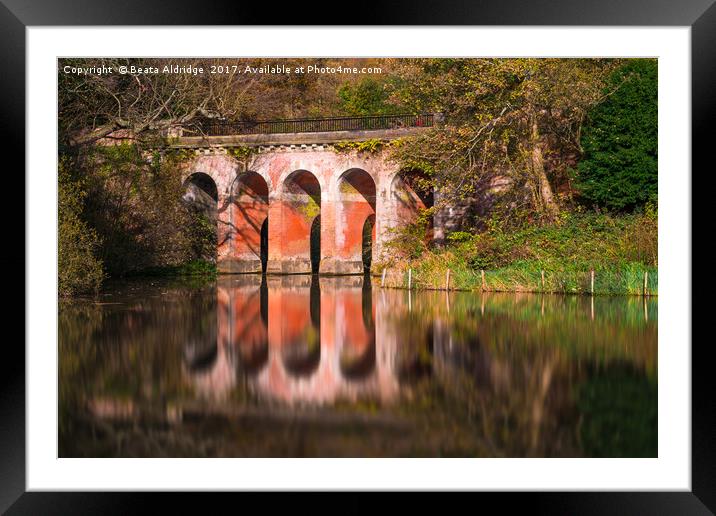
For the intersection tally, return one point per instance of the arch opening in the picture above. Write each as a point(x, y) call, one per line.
point(201, 187)
point(296, 239)
point(356, 221)
point(201, 197)
point(412, 194)
point(250, 214)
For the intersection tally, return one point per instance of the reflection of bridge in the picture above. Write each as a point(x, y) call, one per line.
point(297, 203)
point(297, 343)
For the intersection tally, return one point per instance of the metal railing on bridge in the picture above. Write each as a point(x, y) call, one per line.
point(313, 125)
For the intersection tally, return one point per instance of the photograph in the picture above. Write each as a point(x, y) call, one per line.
point(357, 257)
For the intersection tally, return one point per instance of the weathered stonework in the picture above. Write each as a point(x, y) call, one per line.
point(290, 181)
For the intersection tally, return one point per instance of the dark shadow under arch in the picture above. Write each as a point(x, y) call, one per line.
point(368, 241)
point(205, 183)
point(316, 245)
point(264, 245)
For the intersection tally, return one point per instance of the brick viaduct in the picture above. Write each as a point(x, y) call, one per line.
point(293, 183)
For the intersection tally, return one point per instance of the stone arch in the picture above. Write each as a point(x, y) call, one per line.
point(202, 183)
point(222, 171)
point(201, 195)
point(355, 204)
point(220, 167)
point(250, 209)
point(291, 217)
point(411, 193)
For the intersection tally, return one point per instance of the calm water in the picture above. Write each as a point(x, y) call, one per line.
point(334, 367)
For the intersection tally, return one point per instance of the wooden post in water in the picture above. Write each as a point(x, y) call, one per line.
point(646, 282)
point(410, 278)
point(482, 276)
point(592, 283)
point(382, 279)
point(447, 280)
point(542, 271)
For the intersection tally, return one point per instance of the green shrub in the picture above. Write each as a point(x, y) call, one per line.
point(368, 96)
point(78, 269)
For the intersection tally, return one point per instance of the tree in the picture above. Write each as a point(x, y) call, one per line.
point(94, 106)
point(366, 97)
point(508, 120)
point(78, 270)
point(619, 170)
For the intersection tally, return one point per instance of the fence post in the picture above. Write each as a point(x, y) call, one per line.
point(646, 282)
point(482, 276)
point(592, 283)
point(410, 278)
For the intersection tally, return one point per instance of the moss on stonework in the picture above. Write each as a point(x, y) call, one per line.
point(240, 151)
point(180, 155)
point(310, 208)
point(370, 146)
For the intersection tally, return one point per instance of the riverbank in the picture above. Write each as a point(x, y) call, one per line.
point(582, 254)
point(446, 272)
point(192, 268)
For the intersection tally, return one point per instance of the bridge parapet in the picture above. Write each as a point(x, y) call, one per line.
point(273, 141)
point(303, 131)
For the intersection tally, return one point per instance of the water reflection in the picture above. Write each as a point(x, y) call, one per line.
point(357, 370)
point(298, 340)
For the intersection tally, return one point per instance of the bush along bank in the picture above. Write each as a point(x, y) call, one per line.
point(583, 254)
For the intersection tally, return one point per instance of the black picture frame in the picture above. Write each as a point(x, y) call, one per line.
point(16, 15)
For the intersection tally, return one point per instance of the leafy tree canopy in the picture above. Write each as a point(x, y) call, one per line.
point(619, 166)
point(367, 97)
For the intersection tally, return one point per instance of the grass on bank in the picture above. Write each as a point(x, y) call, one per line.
point(619, 249)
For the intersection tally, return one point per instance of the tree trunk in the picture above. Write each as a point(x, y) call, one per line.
point(545, 189)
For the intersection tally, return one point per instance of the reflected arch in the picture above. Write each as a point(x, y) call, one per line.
point(358, 350)
point(250, 335)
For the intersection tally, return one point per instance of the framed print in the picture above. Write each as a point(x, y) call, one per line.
point(415, 258)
